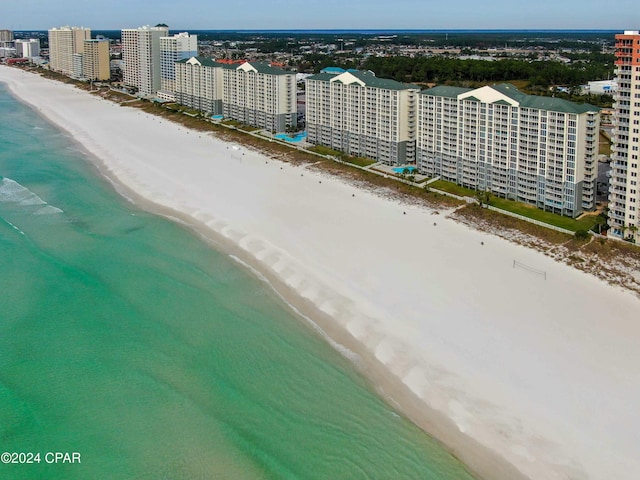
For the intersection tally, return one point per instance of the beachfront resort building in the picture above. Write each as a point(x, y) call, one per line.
point(27, 48)
point(624, 191)
point(198, 84)
point(538, 150)
point(260, 95)
point(6, 36)
point(95, 60)
point(362, 115)
point(141, 56)
point(172, 49)
point(64, 43)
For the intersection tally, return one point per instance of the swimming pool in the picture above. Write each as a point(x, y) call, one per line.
point(404, 169)
point(297, 138)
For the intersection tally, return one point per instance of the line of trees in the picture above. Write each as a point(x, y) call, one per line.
point(541, 74)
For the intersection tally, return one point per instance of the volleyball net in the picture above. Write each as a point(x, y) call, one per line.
point(523, 266)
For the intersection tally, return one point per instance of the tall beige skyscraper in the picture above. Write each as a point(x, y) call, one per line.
point(141, 55)
point(6, 36)
point(64, 42)
point(624, 191)
point(95, 60)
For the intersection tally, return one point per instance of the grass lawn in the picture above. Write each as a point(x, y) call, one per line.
point(524, 209)
point(535, 213)
point(360, 161)
point(322, 150)
point(450, 187)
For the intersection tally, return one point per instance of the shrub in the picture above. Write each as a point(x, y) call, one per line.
point(582, 234)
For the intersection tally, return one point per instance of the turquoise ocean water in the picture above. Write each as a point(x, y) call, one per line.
point(127, 339)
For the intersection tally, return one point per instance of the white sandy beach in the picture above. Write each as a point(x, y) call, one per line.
point(543, 373)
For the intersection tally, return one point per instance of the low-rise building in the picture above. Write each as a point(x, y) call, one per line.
point(7, 52)
point(602, 87)
point(357, 113)
point(538, 150)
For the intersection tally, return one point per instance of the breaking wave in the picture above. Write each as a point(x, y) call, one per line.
point(12, 192)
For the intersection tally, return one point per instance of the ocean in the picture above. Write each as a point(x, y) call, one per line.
point(128, 341)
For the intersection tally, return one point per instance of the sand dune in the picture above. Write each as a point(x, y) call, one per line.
point(543, 374)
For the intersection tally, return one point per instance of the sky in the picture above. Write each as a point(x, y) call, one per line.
point(323, 14)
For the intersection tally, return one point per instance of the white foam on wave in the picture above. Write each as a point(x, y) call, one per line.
point(47, 210)
point(12, 192)
point(15, 228)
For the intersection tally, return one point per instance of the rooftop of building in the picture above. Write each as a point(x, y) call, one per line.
point(67, 27)
point(260, 67)
point(367, 77)
point(204, 61)
point(445, 91)
point(538, 102)
point(160, 26)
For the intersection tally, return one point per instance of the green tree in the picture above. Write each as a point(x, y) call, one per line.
point(483, 197)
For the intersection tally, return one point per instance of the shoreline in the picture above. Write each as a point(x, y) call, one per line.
point(361, 328)
point(483, 463)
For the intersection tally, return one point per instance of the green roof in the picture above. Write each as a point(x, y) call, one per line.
point(260, 67)
point(526, 101)
point(543, 103)
point(322, 77)
point(205, 61)
point(368, 78)
point(444, 91)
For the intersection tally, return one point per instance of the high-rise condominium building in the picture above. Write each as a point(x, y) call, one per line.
point(6, 36)
point(141, 55)
point(538, 150)
point(29, 48)
point(95, 60)
point(362, 115)
point(180, 46)
point(64, 42)
point(624, 190)
point(199, 84)
point(260, 95)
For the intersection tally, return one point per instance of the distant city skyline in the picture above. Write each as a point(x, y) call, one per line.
point(329, 14)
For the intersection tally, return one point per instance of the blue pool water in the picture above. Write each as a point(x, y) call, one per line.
point(297, 138)
point(404, 169)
